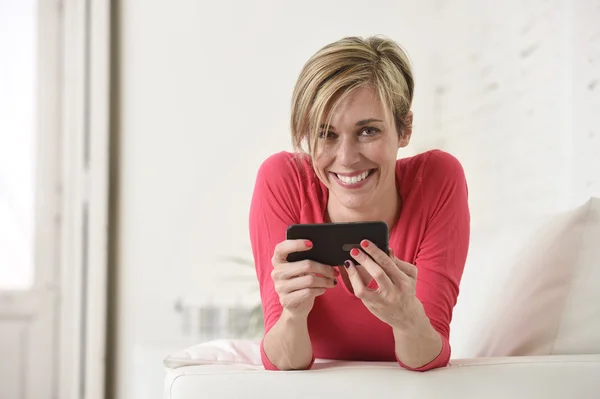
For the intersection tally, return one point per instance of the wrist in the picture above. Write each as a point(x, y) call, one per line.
point(417, 324)
point(294, 319)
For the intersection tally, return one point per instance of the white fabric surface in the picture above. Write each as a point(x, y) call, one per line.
point(222, 352)
point(488, 267)
point(546, 377)
point(548, 301)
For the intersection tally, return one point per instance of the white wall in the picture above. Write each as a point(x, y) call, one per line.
point(205, 94)
point(585, 52)
point(517, 99)
point(511, 90)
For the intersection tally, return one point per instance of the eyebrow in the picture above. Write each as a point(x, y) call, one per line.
point(358, 124)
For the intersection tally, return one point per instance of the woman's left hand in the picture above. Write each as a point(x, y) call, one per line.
point(394, 301)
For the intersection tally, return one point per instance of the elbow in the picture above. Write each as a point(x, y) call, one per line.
point(437, 363)
point(270, 366)
point(441, 360)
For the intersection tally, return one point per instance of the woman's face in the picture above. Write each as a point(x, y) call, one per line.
point(356, 158)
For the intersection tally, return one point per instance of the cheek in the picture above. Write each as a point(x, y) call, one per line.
point(384, 155)
point(320, 163)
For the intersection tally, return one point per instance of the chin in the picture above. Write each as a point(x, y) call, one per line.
point(354, 202)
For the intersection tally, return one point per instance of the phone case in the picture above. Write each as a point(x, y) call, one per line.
point(332, 242)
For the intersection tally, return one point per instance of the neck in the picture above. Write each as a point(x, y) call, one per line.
point(386, 209)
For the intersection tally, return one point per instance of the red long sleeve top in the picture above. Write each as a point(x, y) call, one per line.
point(432, 233)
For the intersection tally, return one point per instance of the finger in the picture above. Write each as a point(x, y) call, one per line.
point(303, 267)
point(303, 282)
point(382, 259)
point(408, 269)
point(375, 270)
point(286, 247)
point(360, 290)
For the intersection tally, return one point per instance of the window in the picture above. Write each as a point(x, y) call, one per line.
point(18, 89)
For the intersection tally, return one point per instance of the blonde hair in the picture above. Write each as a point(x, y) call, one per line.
point(341, 67)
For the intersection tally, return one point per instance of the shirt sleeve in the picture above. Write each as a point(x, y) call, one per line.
point(441, 257)
point(275, 205)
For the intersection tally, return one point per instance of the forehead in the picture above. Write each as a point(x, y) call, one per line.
point(362, 103)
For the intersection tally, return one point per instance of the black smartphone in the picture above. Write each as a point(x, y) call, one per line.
point(332, 242)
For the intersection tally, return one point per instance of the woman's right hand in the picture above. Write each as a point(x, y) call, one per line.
point(299, 283)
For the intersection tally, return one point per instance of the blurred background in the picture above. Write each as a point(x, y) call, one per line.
point(131, 132)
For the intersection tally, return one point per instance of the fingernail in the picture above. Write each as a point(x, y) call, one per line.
point(334, 282)
point(364, 244)
point(308, 244)
point(347, 264)
point(354, 252)
point(336, 272)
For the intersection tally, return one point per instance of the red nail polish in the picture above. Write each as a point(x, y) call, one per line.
point(336, 272)
point(354, 252)
point(308, 244)
point(364, 244)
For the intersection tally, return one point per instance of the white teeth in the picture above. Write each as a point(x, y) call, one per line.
point(353, 179)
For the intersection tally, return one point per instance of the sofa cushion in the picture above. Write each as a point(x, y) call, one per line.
point(549, 300)
point(547, 377)
point(490, 251)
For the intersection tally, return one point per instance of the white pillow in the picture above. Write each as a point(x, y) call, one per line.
point(490, 251)
point(550, 301)
point(226, 352)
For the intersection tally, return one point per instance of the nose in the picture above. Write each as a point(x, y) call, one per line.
point(348, 152)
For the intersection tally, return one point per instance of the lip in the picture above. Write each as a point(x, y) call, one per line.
point(355, 185)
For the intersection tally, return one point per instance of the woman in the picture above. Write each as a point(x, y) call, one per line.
point(352, 108)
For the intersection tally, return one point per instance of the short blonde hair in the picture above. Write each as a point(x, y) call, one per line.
point(341, 67)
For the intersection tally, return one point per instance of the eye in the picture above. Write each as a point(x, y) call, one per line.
point(369, 131)
point(327, 135)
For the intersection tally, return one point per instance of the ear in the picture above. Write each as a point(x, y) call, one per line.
point(405, 139)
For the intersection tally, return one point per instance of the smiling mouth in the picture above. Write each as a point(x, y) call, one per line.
point(356, 178)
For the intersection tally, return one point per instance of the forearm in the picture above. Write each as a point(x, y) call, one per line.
point(418, 343)
point(287, 344)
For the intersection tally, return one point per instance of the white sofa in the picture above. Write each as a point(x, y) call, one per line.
point(528, 377)
point(527, 325)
